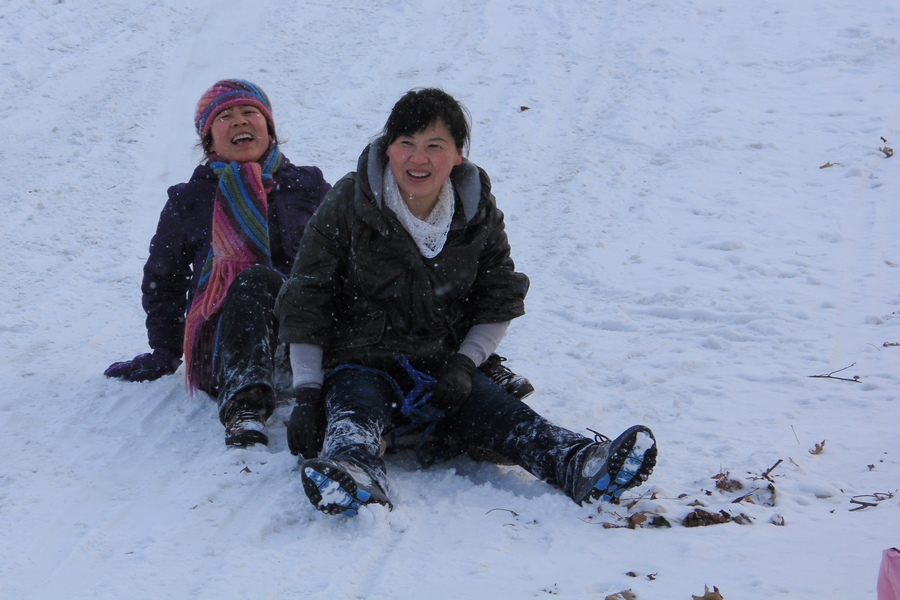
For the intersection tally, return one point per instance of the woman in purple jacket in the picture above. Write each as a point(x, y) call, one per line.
point(226, 239)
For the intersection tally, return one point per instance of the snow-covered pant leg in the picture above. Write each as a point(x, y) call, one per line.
point(493, 419)
point(247, 339)
point(358, 403)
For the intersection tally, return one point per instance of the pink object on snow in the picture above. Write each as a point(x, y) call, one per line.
point(889, 575)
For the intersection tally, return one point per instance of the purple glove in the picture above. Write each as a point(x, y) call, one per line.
point(145, 367)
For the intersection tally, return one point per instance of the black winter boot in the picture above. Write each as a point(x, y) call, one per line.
point(332, 489)
point(605, 469)
point(244, 417)
point(500, 374)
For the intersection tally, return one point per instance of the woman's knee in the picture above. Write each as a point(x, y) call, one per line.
point(360, 390)
point(258, 277)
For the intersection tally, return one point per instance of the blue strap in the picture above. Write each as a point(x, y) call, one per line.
point(417, 398)
point(415, 406)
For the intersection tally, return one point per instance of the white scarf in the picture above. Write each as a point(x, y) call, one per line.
point(429, 235)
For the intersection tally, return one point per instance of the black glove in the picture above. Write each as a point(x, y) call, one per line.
point(454, 384)
point(145, 367)
point(306, 429)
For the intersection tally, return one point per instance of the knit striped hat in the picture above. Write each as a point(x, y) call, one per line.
point(227, 93)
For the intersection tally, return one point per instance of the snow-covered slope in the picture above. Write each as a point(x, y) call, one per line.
point(697, 191)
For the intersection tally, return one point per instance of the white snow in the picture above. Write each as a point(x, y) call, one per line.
point(696, 189)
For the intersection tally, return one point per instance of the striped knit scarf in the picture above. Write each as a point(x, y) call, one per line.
point(240, 239)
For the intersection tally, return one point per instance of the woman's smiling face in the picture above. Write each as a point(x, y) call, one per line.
point(422, 162)
point(240, 134)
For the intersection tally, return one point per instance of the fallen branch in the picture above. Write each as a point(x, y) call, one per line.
point(861, 504)
point(772, 468)
point(831, 375)
point(870, 500)
point(513, 513)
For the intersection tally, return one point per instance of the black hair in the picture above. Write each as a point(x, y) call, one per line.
point(422, 107)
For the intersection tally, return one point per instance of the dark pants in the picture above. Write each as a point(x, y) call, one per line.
point(248, 353)
point(362, 405)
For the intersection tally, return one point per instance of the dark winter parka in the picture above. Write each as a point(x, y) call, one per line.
point(361, 289)
point(181, 243)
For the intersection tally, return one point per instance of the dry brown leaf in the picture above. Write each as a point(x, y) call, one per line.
point(819, 448)
point(743, 519)
point(888, 152)
point(764, 496)
point(777, 520)
point(764, 499)
point(701, 518)
point(725, 483)
point(827, 165)
point(636, 520)
point(709, 595)
point(623, 595)
point(659, 522)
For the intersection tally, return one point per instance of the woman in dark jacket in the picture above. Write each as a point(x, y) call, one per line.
point(402, 286)
point(224, 244)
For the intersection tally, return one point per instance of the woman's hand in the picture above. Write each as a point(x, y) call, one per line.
point(454, 384)
point(145, 367)
point(306, 429)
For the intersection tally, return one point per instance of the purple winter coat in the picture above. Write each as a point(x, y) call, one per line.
point(181, 243)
